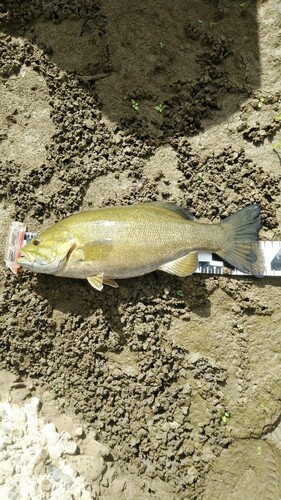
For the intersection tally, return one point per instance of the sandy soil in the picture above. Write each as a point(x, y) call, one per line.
point(118, 102)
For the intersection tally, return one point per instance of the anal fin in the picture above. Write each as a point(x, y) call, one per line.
point(184, 266)
point(110, 282)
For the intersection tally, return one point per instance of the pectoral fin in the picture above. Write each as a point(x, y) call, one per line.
point(184, 266)
point(96, 281)
point(95, 250)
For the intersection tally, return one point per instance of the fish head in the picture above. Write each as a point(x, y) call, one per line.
point(47, 253)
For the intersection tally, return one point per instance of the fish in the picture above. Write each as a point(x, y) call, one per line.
point(107, 244)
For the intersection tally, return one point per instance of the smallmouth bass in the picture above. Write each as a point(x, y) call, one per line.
point(120, 242)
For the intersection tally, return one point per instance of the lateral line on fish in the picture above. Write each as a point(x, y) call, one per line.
point(208, 263)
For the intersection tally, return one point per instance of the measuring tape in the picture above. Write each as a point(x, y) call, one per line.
point(208, 263)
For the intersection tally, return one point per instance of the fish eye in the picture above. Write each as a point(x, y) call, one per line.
point(35, 242)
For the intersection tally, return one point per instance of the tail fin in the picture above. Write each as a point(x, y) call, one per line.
point(242, 248)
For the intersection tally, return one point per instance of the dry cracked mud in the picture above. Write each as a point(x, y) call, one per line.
point(176, 380)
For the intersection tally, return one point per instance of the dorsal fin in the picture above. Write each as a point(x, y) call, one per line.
point(172, 207)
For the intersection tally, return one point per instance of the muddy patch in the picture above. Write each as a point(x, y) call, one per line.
point(104, 104)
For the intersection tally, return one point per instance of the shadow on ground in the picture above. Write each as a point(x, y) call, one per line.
point(158, 68)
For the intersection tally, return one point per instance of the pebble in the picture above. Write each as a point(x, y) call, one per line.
point(62, 496)
point(92, 467)
point(95, 491)
point(78, 432)
point(89, 123)
point(6, 469)
point(117, 487)
point(59, 476)
point(48, 396)
point(19, 395)
point(46, 485)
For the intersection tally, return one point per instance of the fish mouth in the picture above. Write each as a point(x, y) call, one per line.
point(41, 266)
point(24, 261)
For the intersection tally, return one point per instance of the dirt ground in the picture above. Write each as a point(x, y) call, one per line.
point(105, 103)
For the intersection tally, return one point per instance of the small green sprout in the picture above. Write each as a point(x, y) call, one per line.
point(242, 5)
point(212, 24)
point(160, 107)
point(258, 450)
point(180, 293)
point(180, 348)
point(276, 145)
point(228, 53)
point(161, 45)
point(225, 416)
point(135, 104)
point(239, 327)
point(277, 118)
point(261, 102)
point(264, 409)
